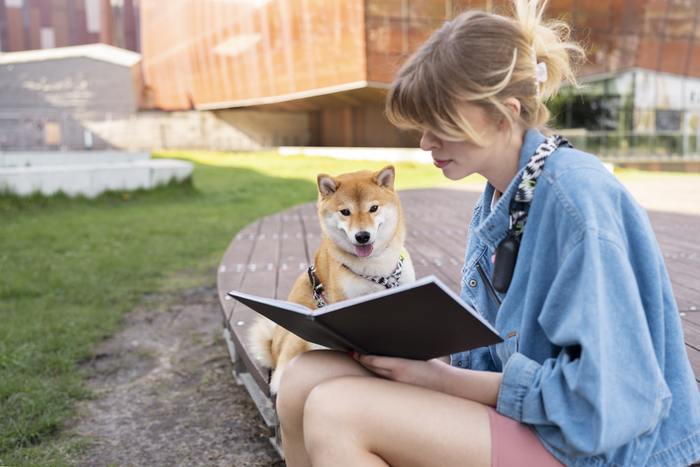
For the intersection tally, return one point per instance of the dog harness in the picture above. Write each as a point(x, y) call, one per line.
point(317, 287)
point(386, 281)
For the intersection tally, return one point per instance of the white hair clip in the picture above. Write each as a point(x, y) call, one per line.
point(540, 75)
point(541, 72)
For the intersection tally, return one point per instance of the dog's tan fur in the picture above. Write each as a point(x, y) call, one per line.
point(357, 193)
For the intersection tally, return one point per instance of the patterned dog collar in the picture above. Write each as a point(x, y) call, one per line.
point(386, 281)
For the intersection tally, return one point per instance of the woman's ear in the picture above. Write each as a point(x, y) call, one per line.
point(513, 107)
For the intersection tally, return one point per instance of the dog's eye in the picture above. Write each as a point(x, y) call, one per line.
point(345, 212)
point(374, 208)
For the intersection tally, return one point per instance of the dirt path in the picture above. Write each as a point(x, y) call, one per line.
point(166, 396)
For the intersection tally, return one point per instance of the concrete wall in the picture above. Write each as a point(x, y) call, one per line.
point(79, 85)
point(358, 126)
point(222, 130)
point(361, 154)
point(43, 103)
point(50, 105)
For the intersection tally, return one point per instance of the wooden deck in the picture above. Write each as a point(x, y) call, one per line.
point(266, 257)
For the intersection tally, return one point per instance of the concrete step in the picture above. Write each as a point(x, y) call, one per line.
point(91, 179)
point(40, 158)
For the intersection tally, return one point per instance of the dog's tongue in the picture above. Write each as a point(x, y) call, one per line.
point(363, 250)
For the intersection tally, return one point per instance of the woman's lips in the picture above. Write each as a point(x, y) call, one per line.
point(440, 164)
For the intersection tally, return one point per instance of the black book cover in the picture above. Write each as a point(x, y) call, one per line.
point(420, 321)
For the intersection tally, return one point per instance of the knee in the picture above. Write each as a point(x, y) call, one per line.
point(289, 394)
point(328, 411)
point(297, 381)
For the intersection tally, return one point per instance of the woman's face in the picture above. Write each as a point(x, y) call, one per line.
point(459, 159)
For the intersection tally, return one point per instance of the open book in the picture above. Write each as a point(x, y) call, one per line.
point(420, 321)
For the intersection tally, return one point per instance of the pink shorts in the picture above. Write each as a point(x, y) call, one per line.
point(516, 445)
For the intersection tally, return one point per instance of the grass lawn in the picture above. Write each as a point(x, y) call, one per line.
point(70, 268)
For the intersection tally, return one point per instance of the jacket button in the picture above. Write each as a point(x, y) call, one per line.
point(472, 283)
point(459, 363)
point(491, 227)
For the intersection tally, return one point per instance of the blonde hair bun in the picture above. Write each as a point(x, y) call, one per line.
point(484, 59)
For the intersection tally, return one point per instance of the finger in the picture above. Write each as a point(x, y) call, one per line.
point(381, 362)
point(368, 361)
point(379, 371)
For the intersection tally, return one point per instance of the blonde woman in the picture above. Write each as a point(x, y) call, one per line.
point(593, 370)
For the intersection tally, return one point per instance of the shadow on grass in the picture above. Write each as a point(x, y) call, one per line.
point(72, 266)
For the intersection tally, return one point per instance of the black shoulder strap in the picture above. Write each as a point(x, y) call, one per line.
point(507, 251)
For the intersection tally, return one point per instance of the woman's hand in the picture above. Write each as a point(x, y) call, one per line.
point(427, 374)
point(479, 386)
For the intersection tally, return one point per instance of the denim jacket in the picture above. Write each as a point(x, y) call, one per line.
point(593, 357)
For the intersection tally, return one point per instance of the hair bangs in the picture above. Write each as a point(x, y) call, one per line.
point(418, 100)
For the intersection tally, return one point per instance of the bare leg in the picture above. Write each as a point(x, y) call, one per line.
point(299, 377)
point(350, 421)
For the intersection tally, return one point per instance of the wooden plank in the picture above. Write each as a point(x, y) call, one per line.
point(660, 218)
point(293, 253)
point(455, 199)
point(233, 266)
point(694, 357)
point(311, 228)
point(691, 318)
point(434, 261)
point(238, 324)
point(676, 233)
point(678, 249)
point(309, 216)
point(677, 225)
point(260, 279)
point(683, 237)
point(451, 241)
point(684, 268)
point(267, 256)
point(691, 334)
point(685, 306)
point(682, 287)
point(437, 228)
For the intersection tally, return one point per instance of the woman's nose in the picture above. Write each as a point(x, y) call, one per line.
point(429, 141)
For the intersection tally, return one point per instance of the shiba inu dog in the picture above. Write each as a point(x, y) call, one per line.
point(361, 252)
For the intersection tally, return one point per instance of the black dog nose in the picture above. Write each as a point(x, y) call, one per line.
point(362, 237)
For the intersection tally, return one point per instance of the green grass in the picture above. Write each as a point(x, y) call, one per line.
point(71, 267)
point(408, 174)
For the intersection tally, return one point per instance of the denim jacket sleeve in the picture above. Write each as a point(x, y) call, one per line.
point(605, 387)
point(477, 359)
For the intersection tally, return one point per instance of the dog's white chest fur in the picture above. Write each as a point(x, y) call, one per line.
point(355, 286)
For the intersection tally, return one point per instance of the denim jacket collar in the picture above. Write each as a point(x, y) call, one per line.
point(495, 226)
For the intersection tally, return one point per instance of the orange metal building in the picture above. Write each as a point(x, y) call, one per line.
point(46, 24)
point(335, 58)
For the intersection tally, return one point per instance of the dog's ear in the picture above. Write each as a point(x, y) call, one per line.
point(385, 177)
point(327, 185)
